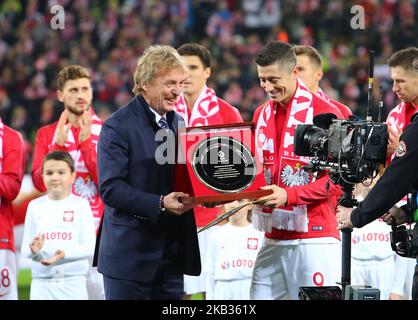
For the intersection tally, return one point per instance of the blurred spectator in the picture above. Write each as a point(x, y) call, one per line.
point(234, 94)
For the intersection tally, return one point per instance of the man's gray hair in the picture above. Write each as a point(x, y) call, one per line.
point(155, 60)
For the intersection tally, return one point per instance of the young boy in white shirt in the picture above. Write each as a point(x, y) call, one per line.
point(232, 250)
point(59, 234)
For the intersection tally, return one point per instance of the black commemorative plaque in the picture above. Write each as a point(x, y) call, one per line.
point(224, 164)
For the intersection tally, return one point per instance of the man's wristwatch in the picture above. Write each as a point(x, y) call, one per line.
point(162, 208)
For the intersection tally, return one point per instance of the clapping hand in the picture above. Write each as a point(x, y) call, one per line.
point(61, 134)
point(59, 255)
point(85, 122)
point(37, 243)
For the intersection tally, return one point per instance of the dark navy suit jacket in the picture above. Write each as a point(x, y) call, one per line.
point(135, 237)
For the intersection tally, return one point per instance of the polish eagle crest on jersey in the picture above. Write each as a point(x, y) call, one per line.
point(86, 189)
point(68, 216)
point(252, 243)
point(294, 176)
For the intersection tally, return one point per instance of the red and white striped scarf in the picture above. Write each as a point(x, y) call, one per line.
point(84, 186)
point(284, 168)
point(1, 148)
point(204, 112)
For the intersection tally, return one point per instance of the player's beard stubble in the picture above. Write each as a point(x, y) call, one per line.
point(76, 111)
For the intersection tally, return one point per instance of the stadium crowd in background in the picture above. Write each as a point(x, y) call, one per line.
point(107, 36)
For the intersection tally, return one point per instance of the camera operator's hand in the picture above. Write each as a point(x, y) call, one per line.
point(275, 199)
point(343, 218)
point(395, 214)
point(394, 135)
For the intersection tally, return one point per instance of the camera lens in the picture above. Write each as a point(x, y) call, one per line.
point(311, 141)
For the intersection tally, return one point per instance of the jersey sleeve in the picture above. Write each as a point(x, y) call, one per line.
point(13, 165)
point(320, 189)
point(322, 106)
point(345, 110)
point(41, 149)
point(229, 112)
point(29, 234)
point(234, 116)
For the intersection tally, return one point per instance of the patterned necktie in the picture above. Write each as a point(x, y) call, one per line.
point(163, 123)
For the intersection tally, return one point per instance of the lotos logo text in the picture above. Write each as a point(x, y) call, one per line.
point(237, 263)
point(58, 235)
point(371, 236)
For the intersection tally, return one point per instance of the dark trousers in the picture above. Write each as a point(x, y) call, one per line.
point(167, 285)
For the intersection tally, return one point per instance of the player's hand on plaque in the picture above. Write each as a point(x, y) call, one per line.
point(277, 198)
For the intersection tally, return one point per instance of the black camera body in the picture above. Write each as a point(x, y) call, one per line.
point(351, 150)
point(404, 239)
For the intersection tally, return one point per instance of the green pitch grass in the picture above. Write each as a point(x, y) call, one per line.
point(23, 284)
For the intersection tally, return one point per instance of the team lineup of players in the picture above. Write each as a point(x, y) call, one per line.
point(264, 251)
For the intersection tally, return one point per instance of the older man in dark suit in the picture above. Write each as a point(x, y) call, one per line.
point(148, 238)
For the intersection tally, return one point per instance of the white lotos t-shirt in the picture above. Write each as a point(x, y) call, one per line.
point(232, 251)
point(68, 225)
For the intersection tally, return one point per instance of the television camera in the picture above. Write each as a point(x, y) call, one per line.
point(351, 151)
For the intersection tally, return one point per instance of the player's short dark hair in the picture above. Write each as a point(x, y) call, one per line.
point(59, 156)
point(405, 58)
point(310, 52)
point(276, 52)
point(72, 72)
point(195, 49)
